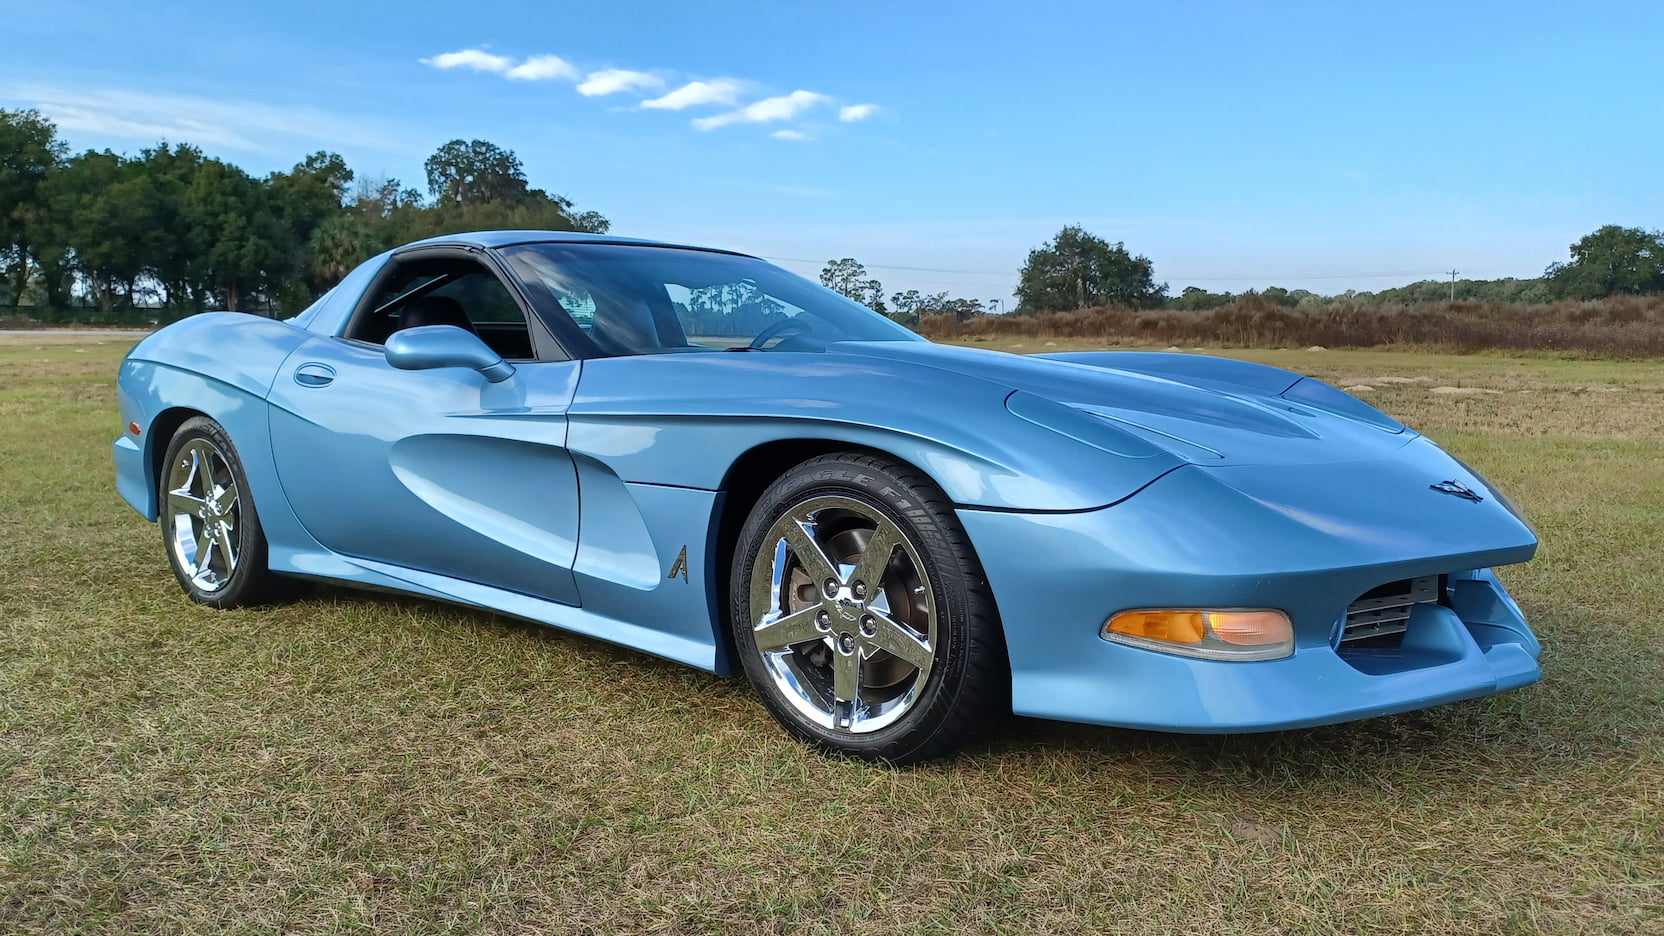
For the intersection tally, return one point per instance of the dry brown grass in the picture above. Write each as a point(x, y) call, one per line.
point(354, 763)
point(1622, 325)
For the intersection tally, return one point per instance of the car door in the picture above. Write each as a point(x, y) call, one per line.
point(437, 470)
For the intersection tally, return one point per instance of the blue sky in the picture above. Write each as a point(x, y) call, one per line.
point(1318, 145)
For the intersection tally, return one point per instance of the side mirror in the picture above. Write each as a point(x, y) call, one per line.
point(445, 346)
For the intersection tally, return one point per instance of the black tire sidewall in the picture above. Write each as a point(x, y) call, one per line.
point(250, 582)
point(956, 590)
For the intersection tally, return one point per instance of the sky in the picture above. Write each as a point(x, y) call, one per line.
point(1325, 146)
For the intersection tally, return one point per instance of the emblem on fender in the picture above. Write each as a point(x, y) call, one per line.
point(1456, 488)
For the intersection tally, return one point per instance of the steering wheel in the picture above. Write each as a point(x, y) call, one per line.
point(778, 329)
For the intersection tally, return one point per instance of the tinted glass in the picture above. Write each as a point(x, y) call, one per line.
point(478, 301)
point(642, 300)
point(485, 299)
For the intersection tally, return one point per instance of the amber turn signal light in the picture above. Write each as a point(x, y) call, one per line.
point(1215, 635)
point(1174, 626)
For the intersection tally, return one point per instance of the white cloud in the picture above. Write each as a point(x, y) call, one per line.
point(476, 59)
point(784, 107)
point(543, 68)
point(228, 124)
point(796, 136)
point(695, 93)
point(614, 80)
point(607, 81)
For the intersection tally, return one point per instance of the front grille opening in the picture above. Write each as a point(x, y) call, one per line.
point(1378, 619)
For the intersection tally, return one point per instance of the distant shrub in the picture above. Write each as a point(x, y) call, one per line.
point(1618, 325)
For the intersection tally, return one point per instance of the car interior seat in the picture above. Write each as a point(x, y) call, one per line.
point(434, 310)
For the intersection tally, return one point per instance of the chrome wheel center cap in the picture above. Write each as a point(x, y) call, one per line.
point(847, 605)
point(843, 615)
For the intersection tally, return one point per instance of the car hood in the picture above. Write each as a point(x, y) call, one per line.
point(1206, 410)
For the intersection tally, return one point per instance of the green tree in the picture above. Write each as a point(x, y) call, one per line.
point(1507, 289)
point(99, 205)
point(302, 200)
point(1609, 261)
point(199, 230)
point(849, 279)
point(29, 151)
point(230, 225)
point(477, 185)
point(1197, 299)
point(381, 215)
point(1076, 270)
point(907, 307)
point(177, 269)
point(910, 306)
point(961, 309)
point(474, 171)
point(536, 210)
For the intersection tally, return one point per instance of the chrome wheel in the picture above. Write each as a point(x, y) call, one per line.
point(845, 615)
point(202, 512)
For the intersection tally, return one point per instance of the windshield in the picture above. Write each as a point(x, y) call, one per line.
point(643, 300)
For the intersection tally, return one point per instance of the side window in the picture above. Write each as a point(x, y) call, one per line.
point(460, 293)
point(485, 299)
point(726, 315)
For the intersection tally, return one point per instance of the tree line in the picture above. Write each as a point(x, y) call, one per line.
point(849, 277)
point(1079, 270)
point(1074, 270)
point(175, 228)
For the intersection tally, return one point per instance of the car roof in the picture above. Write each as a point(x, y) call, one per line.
point(494, 239)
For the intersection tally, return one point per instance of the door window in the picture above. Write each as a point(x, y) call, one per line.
point(446, 292)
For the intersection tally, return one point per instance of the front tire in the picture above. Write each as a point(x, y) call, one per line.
point(210, 530)
point(861, 615)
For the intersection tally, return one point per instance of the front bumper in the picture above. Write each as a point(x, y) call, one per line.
point(1287, 538)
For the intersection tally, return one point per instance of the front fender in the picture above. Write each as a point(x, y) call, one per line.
point(683, 420)
point(219, 364)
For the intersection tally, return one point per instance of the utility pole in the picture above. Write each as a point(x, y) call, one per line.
point(1453, 284)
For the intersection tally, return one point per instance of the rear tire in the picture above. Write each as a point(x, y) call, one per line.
point(210, 530)
point(861, 615)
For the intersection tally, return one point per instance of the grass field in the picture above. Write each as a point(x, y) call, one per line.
point(361, 763)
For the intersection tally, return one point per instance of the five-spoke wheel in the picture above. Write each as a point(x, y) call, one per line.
point(209, 525)
point(201, 514)
point(844, 614)
point(860, 613)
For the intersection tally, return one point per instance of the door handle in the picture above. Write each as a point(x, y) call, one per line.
point(314, 375)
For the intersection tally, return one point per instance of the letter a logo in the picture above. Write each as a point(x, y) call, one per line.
point(681, 565)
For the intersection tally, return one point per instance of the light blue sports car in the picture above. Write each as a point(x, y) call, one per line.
point(699, 455)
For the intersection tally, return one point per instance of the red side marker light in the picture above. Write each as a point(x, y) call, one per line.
point(133, 427)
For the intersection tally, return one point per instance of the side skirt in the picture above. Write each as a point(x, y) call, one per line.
point(380, 576)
